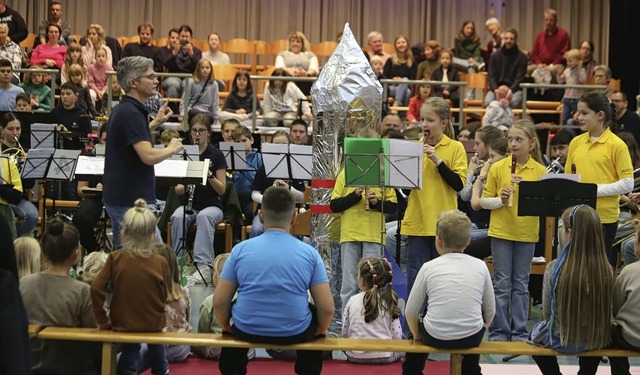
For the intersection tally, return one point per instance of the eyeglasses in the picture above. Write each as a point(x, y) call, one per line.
point(151, 76)
point(198, 131)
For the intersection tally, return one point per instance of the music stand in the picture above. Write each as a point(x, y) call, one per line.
point(549, 198)
point(235, 156)
point(288, 162)
point(383, 163)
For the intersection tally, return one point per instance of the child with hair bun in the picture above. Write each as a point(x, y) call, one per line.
point(52, 298)
point(138, 280)
point(461, 304)
point(373, 313)
point(27, 256)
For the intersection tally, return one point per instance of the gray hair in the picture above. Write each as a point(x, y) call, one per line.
point(132, 67)
point(605, 69)
point(492, 21)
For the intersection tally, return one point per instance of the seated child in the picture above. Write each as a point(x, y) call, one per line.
point(23, 102)
point(461, 304)
point(34, 84)
point(92, 265)
point(77, 77)
point(499, 112)
point(422, 93)
point(52, 298)
point(115, 95)
point(27, 256)
point(97, 76)
point(373, 313)
point(243, 180)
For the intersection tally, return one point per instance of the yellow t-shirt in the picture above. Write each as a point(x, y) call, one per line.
point(436, 195)
point(357, 224)
point(505, 222)
point(9, 173)
point(604, 161)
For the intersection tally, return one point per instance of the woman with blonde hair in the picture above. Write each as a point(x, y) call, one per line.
point(96, 39)
point(298, 60)
point(27, 255)
point(400, 67)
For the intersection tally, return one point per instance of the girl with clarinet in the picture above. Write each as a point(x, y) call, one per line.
point(513, 237)
point(600, 157)
point(444, 173)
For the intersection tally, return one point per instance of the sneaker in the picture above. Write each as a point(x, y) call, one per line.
point(205, 270)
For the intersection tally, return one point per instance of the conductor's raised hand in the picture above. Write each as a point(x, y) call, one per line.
point(164, 113)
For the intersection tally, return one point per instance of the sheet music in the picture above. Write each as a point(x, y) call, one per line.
point(564, 176)
point(90, 165)
point(236, 160)
point(274, 158)
point(100, 149)
point(171, 168)
point(301, 161)
point(36, 163)
point(63, 164)
point(42, 135)
point(404, 164)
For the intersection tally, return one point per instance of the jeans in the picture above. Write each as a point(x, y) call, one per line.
point(511, 270)
point(116, 213)
point(206, 219)
point(401, 93)
point(271, 118)
point(569, 107)
point(414, 362)
point(257, 228)
point(130, 357)
point(28, 214)
point(234, 360)
point(173, 86)
point(392, 242)
point(516, 101)
point(350, 255)
point(421, 250)
point(628, 251)
point(464, 65)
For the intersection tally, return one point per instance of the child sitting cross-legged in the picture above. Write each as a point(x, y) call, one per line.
point(373, 313)
point(461, 304)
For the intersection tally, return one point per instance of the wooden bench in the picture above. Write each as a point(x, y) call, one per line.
point(108, 338)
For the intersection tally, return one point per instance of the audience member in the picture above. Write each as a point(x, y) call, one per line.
point(374, 312)
point(281, 101)
point(460, 304)
point(92, 265)
point(551, 43)
point(375, 42)
point(446, 72)
point(97, 77)
point(78, 79)
point(391, 122)
point(8, 91)
point(575, 288)
point(10, 51)
point(588, 62)
point(214, 54)
point(96, 39)
point(73, 56)
point(507, 66)
point(17, 27)
point(378, 66)
point(499, 112)
point(23, 103)
point(400, 67)
point(144, 47)
point(573, 74)
point(206, 205)
point(28, 256)
point(423, 92)
point(513, 237)
point(495, 42)
point(239, 103)
point(53, 299)
point(203, 93)
point(183, 59)
point(431, 61)
point(50, 53)
point(467, 54)
point(248, 270)
point(625, 120)
point(35, 86)
point(602, 75)
point(55, 18)
point(135, 265)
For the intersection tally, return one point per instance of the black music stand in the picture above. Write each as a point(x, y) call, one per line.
point(288, 162)
point(549, 198)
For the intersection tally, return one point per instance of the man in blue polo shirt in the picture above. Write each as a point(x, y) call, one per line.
point(129, 155)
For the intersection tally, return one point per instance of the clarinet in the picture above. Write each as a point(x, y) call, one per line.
point(190, 190)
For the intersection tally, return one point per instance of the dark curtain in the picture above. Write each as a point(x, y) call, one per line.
point(624, 57)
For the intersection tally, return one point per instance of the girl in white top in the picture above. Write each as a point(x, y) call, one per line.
point(281, 100)
point(214, 54)
point(374, 312)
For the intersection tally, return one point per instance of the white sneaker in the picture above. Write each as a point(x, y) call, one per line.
point(205, 270)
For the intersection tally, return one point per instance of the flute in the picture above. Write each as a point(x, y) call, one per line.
point(366, 200)
point(514, 160)
point(427, 133)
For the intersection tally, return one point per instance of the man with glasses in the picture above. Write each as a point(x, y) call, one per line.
point(8, 91)
point(625, 120)
point(128, 170)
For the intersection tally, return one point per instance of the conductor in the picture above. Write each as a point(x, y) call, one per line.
point(129, 157)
